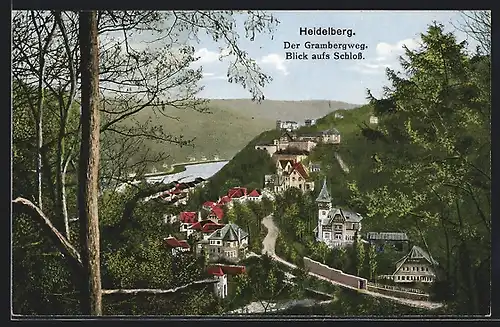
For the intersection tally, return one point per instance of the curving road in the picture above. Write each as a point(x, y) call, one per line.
point(269, 246)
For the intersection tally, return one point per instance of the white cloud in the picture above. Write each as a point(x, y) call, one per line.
point(208, 74)
point(275, 60)
point(386, 57)
point(386, 51)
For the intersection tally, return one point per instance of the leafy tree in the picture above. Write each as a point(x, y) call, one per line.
point(358, 255)
point(437, 118)
point(371, 263)
point(150, 72)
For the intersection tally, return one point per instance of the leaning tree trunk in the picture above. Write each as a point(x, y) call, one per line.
point(91, 296)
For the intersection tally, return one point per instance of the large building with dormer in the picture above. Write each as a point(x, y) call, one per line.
point(336, 227)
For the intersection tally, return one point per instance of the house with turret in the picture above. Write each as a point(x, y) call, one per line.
point(336, 227)
point(229, 242)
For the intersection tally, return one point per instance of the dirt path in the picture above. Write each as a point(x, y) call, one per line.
point(269, 242)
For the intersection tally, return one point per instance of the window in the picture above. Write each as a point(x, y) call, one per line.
point(413, 268)
point(300, 179)
point(293, 179)
point(218, 250)
point(327, 235)
point(426, 268)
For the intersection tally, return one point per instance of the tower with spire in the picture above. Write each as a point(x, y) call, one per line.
point(324, 202)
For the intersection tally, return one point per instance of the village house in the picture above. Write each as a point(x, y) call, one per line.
point(202, 230)
point(373, 120)
point(294, 155)
point(416, 266)
point(186, 219)
point(336, 227)
point(221, 272)
point(254, 196)
point(230, 243)
point(176, 246)
point(314, 167)
point(338, 115)
point(398, 241)
point(216, 214)
point(289, 174)
point(287, 125)
point(310, 122)
point(331, 136)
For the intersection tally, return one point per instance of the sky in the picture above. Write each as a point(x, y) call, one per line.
point(383, 32)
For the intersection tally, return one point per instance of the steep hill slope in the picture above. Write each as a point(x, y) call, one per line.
point(230, 125)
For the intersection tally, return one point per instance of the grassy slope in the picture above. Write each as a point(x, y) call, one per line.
point(231, 125)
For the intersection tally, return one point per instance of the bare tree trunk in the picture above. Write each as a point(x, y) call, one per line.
point(91, 297)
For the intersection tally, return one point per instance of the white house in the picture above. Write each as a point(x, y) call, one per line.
point(331, 136)
point(287, 125)
point(336, 227)
point(310, 122)
point(373, 120)
point(220, 272)
point(416, 266)
point(230, 242)
point(188, 218)
point(338, 115)
point(177, 246)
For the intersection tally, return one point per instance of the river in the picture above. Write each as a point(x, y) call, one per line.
point(203, 170)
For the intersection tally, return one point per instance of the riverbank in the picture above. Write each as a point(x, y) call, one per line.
point(180, 167)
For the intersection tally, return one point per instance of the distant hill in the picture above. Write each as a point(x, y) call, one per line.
point(231, 125)
point(284, 110)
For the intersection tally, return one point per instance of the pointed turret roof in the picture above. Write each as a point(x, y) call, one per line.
point(323, 194)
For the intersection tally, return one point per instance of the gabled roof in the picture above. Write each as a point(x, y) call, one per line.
point(237, 192)
point(211, 227)
point(299, 167)
point(388, 236)
point(351, 216)
point(225, 199)
point(188, 217)
point(324, 196)
point(254, 193)
point(175, 243)
point(416, 253)
point(201, 224)
point(228, 233)
point(284, 163)
point(209, 204)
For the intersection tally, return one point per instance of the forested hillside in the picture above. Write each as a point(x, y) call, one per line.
point(423, 170)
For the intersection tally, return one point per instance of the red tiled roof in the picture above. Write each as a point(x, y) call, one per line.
point(172, 242)
point(184, 244)
point(175, 192)
point(218, 212)
point(232, 270)
point(225, 199)
point(299, 167)
point(211, 227)
point(237, 192)
point(209, 204)
point(215, 270)
point(196, 226)
point(254, 193)
point(188, 217)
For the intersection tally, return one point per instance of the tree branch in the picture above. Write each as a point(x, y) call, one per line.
point(158, 291)
point(59, 240)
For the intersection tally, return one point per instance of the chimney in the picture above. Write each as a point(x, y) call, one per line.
point(199, 215)
point(239, 236)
